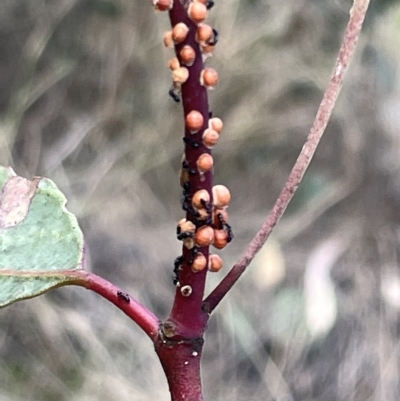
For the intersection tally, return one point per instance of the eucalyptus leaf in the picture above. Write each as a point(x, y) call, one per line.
point(40, 240)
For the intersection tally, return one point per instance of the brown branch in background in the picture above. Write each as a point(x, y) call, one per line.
point(352, 32)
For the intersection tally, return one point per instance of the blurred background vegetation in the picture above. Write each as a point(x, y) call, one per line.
point(84, 101)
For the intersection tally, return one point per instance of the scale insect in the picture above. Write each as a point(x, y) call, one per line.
point(174, 95)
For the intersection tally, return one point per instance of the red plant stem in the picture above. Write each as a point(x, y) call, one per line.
point(181, 364)
point(144, 318)
point(186, 316)
point(352, 32)
point(180, 340)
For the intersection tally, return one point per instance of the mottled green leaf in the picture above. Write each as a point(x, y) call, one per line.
point(40, 241)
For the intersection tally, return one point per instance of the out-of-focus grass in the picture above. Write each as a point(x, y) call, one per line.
point(84, 101)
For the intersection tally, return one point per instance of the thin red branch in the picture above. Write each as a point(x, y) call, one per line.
point(352, 32)
point(143, 317)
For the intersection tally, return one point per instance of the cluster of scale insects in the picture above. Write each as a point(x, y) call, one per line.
point(173, 92)
point(206, 216)
point(198, 220)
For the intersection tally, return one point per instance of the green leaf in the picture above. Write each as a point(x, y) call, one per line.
point(41, 244)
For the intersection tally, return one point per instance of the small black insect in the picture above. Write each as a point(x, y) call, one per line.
point(207, 206)
point(210, 4)
point(187, 202)
point(124, 296)
point(195, 251)
point(223, 225)
point(177, 268)
point(221, 221)
point(203, 222)
point(228, 228)
point(184, 235)
point(190, 142)
point(174, 95)
point(187, 207)
point(214, 40)
point(210, 114)
point(185, 165)
point(186, 188)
